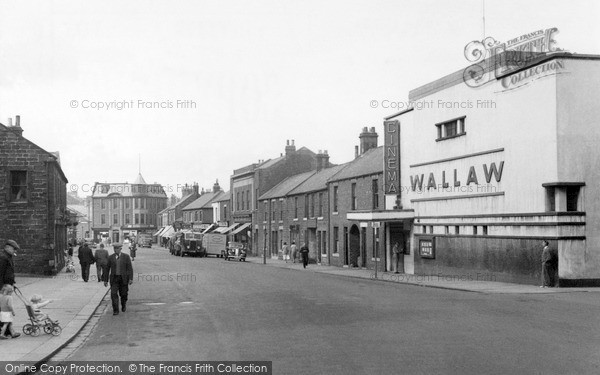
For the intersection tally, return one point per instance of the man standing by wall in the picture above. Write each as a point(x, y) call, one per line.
point(304, 253)
point(7, 267)
point(120, 275)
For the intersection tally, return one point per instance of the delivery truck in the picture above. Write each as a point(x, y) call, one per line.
point(214, 244)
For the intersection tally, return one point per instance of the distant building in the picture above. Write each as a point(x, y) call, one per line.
point(250, 182)
point(33, 210)
point(123, 209)
point(198, 215)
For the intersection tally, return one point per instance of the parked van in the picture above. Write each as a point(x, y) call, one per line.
point(214, 244)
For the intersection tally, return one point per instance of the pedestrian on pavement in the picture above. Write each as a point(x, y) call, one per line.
point(70, 251)
point(7, 266)
point(397, 252)
point(549, 266)
point(286, 252)
point(86, 259)
point(120, 275)
point(304, 253)
point(133, 250)
point(101, 258)
point(7, 313)
point(294, 251)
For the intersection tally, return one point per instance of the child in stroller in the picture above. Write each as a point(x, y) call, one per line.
point(39, 319)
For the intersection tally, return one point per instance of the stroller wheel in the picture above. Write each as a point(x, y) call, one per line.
point(56, 330)
point(35, 331)
point(27, 328)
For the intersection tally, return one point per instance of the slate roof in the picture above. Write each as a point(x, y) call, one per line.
point(284, 187)
point(203, 201)
point(224, 197)
point(371, 162)
point(317, 181)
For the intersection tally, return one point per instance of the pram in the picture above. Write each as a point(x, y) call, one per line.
point(37, 324)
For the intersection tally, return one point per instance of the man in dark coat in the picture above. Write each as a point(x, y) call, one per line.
point(120, 275)
point(7, 266)
point(86, 259)
point(549, 266)
point(304, 253)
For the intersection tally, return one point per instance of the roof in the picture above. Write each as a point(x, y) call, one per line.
point(79, 208)
point(317, 181)
point(182, 202)
point(224, 197)
point(284, 187)
point(139, 180)
point(203, 201)
point(371, 162)
point(271, 162)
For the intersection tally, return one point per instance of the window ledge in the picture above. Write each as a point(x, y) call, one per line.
point(450, 137)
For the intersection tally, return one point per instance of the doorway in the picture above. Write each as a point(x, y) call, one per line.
point(354, 242)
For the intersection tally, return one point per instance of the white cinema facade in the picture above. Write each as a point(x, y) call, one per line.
point(477, 177)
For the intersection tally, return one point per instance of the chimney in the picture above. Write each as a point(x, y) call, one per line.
point(322, 160)
point(216, 187)
point(368, 139)
point(17, 128)
point(289, 148)
point(355, 152)
point(195, 187)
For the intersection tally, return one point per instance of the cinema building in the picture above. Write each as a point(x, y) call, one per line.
point(475, 178)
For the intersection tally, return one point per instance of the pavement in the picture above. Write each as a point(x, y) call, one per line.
point(75, 301)
point(469, 283)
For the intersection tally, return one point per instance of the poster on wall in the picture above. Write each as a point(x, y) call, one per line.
point(426, 248)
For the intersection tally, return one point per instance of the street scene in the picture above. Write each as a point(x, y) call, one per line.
point(299, 188)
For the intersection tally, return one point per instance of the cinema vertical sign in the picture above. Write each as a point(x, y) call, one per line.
point(391, 159)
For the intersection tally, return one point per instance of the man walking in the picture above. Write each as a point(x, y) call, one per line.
point(7, 266)
point(120, 275)
point(86, 259)
point(101, 258)
point(304, 253)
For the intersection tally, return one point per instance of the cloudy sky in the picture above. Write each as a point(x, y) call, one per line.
point(197, 89)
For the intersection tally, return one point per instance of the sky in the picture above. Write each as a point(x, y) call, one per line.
point(188, 91)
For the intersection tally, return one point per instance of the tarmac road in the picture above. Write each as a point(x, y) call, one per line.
point(208, 309)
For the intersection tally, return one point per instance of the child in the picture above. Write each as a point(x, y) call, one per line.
point(7, 312)
point(37, 304)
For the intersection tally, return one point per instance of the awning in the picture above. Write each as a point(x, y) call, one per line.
point(241, 228)
point(158, 231)
point(224, 230)
point(167, 231)
point(208, 229)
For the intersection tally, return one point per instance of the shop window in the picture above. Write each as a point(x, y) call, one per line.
point(451, 129)
point(18, 186)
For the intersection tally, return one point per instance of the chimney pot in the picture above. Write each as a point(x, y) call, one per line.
point(365, 129)
point(326, 153)
point(372, 129)
point(355, 152)
point(287, 143)
point(18, 120)
point(292, 142)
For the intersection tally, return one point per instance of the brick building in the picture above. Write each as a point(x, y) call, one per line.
point(121, 210)
point(250, 182)
point(357, 187)
point(33, 210)
point(198, 215)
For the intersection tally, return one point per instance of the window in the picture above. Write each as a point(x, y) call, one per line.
point(424, 229)
point(266, 205)
point(446, 230)
point(142, 203)
point(456, 229)
point(224, 212)
point(431, 229)
point(127, 203)
point(237, 201)
point(137, 218)
point(484, 229)
point(306, 205)
point(115, 203)
point(280, 210)
point(295, 207)
point(375, 190)
point(475, 230)
point(18, 186)
point(273, 206)
point(336, 240)
point(320, 204)
point(115, 218)
point(136, 203)
point(143, 219)
point(102, 204)
point(102, 218)
point(248, 199)
point(312, 205)
point(451, 129)
point(335, 199)
point(572, 198)
point(127, 219)
point(353, 192)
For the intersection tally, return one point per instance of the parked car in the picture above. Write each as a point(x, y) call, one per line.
point(235, 251)
point(145, 240)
